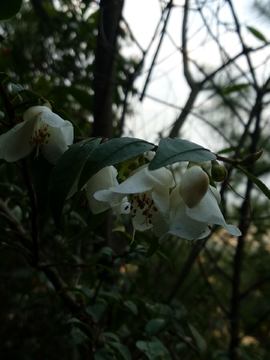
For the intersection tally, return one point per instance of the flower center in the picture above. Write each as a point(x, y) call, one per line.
point(40, 137)
point(143, 205)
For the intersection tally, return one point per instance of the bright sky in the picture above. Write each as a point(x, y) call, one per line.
point(167, 81)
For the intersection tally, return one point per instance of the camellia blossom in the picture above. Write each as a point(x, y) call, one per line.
point(194, 222)
point(105, 179)
point(41, 129)
point(150, 192)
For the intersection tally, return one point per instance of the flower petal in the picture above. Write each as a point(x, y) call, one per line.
point(15, 144)
point(208, 211)
point(68, 133)
point(161, 197)
point(103, 179)
point(160, 176)
point(52, 119)
point(55, 147)
point(34, 111)
point(186, 227)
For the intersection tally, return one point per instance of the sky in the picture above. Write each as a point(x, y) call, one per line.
point(167, 81)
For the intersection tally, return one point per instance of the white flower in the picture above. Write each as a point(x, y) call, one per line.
point(151, 195)
point(105, 179)
point(195, 222)
point(41, 129)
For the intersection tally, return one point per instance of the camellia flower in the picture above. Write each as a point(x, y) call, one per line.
point(150, 192)
point(41, 129)
point(193, 220)
point(105, 179)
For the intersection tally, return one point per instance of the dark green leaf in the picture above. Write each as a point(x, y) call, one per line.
point(31, 95)
point(3, 77)
point(234, 88)
point(155, 326)
point(106, 268)
point(201, 343)
point(96, 311)
point(76, 337)
point(258, 182)
point(257, 33)
point(131, 306)
point(171, 151)
point(66, 172)
point(121, 349)
point(110, 335)
point(154, 349)
point(154, 246)
point(112, 152)
point(9, 8)
point(104, 354)
point(94, 222)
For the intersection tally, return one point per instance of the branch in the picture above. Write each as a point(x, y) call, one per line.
point(169, 7)
point(198, 246)
point(211, 288)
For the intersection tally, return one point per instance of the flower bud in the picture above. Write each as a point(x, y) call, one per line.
point(251, 158)
point(194, 186)
point(219, 173)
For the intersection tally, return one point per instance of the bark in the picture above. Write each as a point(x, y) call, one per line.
point(106, 57)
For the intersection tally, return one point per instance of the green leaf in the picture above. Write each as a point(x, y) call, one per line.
point(110, 335)
point(76, 337)
point(122, 350)
point(31, 95)
point(234, 88)
point(155, 326)
point(171, 151)
point(131, 306)
point(3, 77)
point(94, 222)
point(256, 181)
point(96, 311)
point(154, 246)
point(104, 354)
point(153, 349)
point(9, 8)
point(201, 343)
point(257, 33)
point(106, 268)
point(161, 254)
point(113, 152)
point(66, 172)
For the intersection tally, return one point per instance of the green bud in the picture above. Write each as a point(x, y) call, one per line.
point(251, 158)
point(219, 172)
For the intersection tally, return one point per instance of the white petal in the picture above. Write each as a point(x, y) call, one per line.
point(136, 183)
point(140, 222)
point(68, 133)
point(15, 144)
point(161, 197)
point(52, 119)
point(161, 176)
point(185, 227)
point(208, 211)
point(105, 178)
point(33, 112)
point(55, 147)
